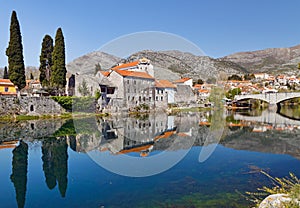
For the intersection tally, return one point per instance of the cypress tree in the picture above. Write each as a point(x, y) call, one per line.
point(5, 75)
point(14, 53)
point(58, 73)
point(46, 60)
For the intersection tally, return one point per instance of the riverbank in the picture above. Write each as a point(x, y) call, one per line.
point(14, 118)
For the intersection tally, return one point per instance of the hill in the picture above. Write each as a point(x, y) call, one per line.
point(169, 65)
point(272, 60)
point(86, 63)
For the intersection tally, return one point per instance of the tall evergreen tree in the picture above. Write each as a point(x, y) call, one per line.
point(14, 52)
point(5, 75)
point(58, 73)
point(46, 60)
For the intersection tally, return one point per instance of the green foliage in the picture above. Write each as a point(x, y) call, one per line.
point(76, 104)
point(65, 101)
point(287, 185)
point(216, 96)
point(235, 77)
point(5, 74)
point(58, 69)
point(249, 76)
point(97, 94)
point(14, 53)
point(97, 68)
point(233, 92)
point(83, 89)
point(84, 104)
point(46, 60)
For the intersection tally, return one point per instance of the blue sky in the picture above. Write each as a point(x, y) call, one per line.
point(218, 27)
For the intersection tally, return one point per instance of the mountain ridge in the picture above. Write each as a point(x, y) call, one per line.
point(271, 60)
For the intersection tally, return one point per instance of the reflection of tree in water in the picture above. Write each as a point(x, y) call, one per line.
point(19, 172)
point(55, 163)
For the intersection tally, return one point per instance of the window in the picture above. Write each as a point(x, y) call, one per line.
point(144, 99)
point(134, 82)
point(150, 99)
point(161, 98)
point(156, 98)
point(140, 98)
point(127, 81)
point(6, 89)
point(128, 90)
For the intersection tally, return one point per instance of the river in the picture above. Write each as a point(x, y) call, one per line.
point(196, 159)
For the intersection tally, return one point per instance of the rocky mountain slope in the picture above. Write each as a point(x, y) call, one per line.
point(169, 65)
point(86, 63)
point(272, 60)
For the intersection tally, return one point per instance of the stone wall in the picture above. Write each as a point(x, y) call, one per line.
point(29, 130)
point(29, 106)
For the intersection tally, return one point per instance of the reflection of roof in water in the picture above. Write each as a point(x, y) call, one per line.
point(9, 144)
point(136, 149)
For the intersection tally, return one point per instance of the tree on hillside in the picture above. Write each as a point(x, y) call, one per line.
point(5, 74)
point(31, 76)
point(46, 60)
point(97, 68)
point(58, 69)
point(14, 53)
point(235, 77)
point(249, 76)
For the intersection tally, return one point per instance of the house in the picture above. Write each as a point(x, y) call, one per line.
point(184, 81)
point(282, 79)
point(165, 87)
point(134, 87)
point(261, 76)
point(33, 88)
point(7, 88)
point(142, 65)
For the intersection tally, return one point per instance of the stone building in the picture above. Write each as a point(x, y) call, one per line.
point(134, 88)
point(165, 92)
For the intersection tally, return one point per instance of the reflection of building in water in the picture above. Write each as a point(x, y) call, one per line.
point(19, 172)
point(140, 135)
point(133, 134)
point(9, 144)
point(55, 163)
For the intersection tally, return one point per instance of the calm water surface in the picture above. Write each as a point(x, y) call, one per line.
point(54, 164)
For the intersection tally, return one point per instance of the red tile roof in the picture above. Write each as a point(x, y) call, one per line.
point(164, 84)
point(126, 73)
point(105, 73)
point(126, 65)
point(182, 80)
point(203, 91)
point(6, 82)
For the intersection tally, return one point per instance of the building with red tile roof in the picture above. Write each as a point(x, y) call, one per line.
point(184, 81)
point(7, 88)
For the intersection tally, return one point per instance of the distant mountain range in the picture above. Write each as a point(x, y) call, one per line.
point(169, 65)
point(272, 60)
point(175, 64)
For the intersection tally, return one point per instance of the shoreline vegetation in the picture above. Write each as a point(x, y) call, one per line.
point(81, 107)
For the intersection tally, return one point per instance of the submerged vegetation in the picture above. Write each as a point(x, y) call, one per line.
point(290, 186)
